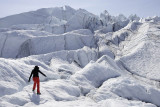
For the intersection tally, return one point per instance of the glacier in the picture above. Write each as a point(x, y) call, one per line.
point(89, 60)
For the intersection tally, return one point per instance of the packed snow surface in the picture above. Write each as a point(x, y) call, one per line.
point(89, 60)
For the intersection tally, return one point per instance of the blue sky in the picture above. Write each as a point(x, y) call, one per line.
point(142, 8)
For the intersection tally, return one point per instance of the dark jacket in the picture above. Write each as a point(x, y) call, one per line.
point(35, 72)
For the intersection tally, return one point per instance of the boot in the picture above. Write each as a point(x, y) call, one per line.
point(38, 93)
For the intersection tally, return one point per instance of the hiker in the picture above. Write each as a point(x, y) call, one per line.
point(35, 73)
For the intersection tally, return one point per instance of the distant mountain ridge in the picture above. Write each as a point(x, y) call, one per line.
point(59, 20)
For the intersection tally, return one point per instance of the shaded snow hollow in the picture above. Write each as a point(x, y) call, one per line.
point(89, 60)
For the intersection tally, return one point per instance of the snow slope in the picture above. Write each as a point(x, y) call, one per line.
point(89, 60)
point(142, 55)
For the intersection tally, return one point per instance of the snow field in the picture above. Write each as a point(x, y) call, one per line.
point(90, 61)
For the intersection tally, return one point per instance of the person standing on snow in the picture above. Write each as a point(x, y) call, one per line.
point(35, 72)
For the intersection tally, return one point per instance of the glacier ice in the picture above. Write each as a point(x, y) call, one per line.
point(89, 60)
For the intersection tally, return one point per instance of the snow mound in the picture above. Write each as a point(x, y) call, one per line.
point(93, 75)
point(57, 90)
point(80, 57)
point(109, 62)
point(15, 73)
point(126, 88)
point(141, 54)
point(104, 50)
point(130, 89)
point(97, 74)
point(125, 103)
point(64, 67)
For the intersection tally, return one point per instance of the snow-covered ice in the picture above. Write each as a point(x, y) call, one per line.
point(89, 60)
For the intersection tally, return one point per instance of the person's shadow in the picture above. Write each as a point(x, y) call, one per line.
point(35, 98)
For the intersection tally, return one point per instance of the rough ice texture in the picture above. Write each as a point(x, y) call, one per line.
point(19, 44)
point(141, 53)
point(15, 73)
point(89, 60)
point(59, 20)
point(130, 89)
